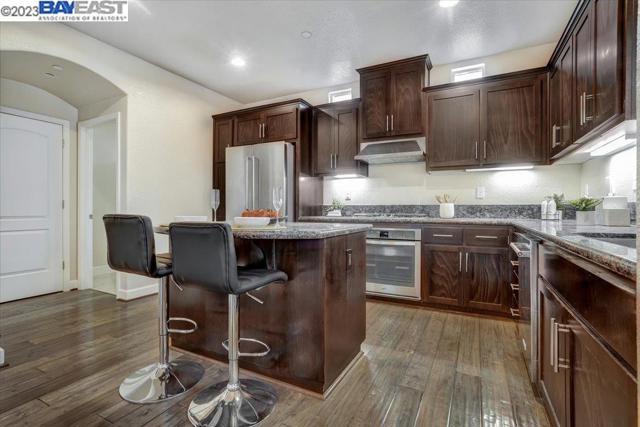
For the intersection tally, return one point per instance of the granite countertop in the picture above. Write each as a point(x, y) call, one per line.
point(293, 231)
point(566, 234)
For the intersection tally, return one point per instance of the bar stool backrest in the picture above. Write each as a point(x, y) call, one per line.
point(130, 244)
point(203, 254)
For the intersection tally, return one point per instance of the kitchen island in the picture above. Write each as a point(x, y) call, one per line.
point(314, 323)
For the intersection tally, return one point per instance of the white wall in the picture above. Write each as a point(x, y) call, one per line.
point(105, 158)
point(409, 184)
point(168, 133)
point(620, 170)
point(29, 98)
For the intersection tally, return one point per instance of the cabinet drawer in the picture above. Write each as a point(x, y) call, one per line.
point(486, 236)
point(442, 235)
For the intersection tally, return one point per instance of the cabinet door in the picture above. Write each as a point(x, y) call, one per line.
point(280, 123)
point(608, 58)
point(601, 392)
point(346, 139)
point(219, 182)
point(584, 86)
point(375, 90)
point(406, 112)
point(323, 144)
point(486, 282)
point(222, 138)
point(561, 101)
point(453, 128)
point(553, 382)
point(512, 118)
point(248, 129)
point(442, 274)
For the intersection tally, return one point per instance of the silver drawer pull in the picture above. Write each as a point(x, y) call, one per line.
point(515, 286)
point(514, 312)
point(370, 265)
point(400, 267)
point(443, 235)
point(515, 263)
point(486, 237)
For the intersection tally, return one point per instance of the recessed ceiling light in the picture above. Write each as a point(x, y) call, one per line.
point(306, 34)
point(49, 75)
point(237, 61)
point(57, 67)
point(448, 3)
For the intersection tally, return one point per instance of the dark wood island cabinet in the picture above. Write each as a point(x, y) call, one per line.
point(314, 323)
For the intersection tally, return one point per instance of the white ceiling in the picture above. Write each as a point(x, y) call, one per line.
point(74, 83)
point(196, 39)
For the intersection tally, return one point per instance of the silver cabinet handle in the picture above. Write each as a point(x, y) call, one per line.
point(587, 118)
point(515, 287)
point(442, 235)
point(476, 150)
point(349, 258)
point(387, 127)
point(514, 312)
point(259, 130)
point(554, 141)
point(480, 236)
point(485, 149)
point(466, 262)
point(460, 263)
point(555, 344)
point(392, 122)
point(552, 343)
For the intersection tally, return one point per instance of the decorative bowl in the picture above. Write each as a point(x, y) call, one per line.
point(251, 221)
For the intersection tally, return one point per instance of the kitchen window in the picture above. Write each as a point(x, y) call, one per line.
point(340, 95)
point(469, 72)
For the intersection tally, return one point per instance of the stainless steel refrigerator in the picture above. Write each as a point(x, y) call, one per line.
point(252, 171)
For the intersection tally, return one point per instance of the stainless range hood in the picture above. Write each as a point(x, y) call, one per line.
point(391, 152)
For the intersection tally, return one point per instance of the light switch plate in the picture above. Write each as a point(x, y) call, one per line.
point(481, 192)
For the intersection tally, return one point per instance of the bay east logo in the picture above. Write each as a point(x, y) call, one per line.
point(82, 7)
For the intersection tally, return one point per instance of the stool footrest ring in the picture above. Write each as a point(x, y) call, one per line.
point(182, 331)
point(225, 344)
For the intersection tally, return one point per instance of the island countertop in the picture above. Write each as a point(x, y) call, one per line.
point(292, 231)
point(582, 240)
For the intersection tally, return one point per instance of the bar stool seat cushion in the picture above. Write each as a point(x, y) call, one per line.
point(254, 278)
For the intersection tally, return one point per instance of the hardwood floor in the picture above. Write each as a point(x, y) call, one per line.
point(68, 353)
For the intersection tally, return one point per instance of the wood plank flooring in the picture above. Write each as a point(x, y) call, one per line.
point(68, 353)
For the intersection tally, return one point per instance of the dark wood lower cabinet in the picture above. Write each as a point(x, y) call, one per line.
point(472, 275)
point(442, 272)
point(486, 284)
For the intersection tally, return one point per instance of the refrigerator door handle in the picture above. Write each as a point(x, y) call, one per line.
point(248, 171)
point(255, 165)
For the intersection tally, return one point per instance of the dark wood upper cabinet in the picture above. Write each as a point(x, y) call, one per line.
point(392, 99)
point(583, 98)
point(487, 122)
point(561, 101)
point(375, 89)
point(222, 138)
point(442, 274)
point(453, 127)
point(335, 139)
point(487, 278)
point(596, 56)
point(248, 128)
point(280, 123)
point(512, 118)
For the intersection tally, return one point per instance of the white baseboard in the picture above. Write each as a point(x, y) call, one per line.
point(143, 291)
point(101, 269)
point(71, 284)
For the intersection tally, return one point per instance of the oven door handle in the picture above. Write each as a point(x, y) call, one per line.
point(383, 242)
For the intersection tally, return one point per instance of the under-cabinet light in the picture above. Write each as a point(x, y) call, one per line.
point(502, 168)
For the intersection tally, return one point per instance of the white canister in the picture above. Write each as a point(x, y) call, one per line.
point(447, 210)
point(585, 217)
point(551, 209)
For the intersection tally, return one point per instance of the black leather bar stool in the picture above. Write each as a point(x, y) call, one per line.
point(204, 255)
point(131, 249)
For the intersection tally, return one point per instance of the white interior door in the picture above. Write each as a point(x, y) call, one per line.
point(30, 207)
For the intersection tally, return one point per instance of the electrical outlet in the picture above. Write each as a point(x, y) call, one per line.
point(481, 192)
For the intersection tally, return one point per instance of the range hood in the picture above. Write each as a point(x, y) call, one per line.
point(391, 152)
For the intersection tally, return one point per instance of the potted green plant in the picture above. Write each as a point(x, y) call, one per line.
point(585, 210)
point(447, 205)
point(336, 208)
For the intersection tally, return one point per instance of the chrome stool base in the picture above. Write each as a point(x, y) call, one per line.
point(221, 406)
point(156, 383)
